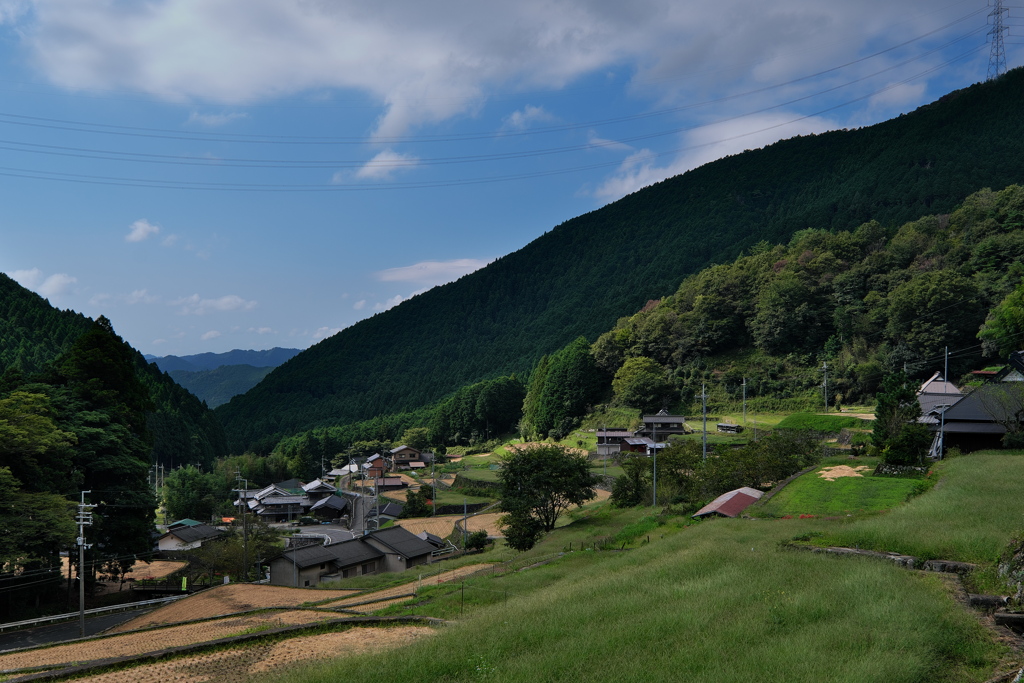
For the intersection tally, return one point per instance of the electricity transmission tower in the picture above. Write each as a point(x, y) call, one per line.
point(997, 54)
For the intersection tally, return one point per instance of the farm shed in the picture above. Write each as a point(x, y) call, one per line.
point(731, 504)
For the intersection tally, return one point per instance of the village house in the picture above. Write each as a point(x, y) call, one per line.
point(386, 550)
point(186, 537)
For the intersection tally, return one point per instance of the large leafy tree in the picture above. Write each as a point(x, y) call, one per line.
point(538, 483)
point(35, 449)
point(108, 405)
point(640, 383)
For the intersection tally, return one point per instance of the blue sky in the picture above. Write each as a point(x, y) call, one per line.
point(218, 174)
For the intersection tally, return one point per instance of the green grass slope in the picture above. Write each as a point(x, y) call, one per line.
point(581, 276)
point(723, 601)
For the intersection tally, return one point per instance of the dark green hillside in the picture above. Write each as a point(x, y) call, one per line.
point(577, 279)
point(33, 334)
point(218, 385)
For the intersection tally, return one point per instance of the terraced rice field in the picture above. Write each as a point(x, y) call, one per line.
point(443, 525)
point(228, 599)
point(244, 664)
point(132, 644)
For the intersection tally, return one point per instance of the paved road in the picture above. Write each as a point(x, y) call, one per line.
point(58, 633)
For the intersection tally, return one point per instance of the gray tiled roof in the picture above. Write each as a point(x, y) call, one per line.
point(402, 541)
point(191, 534)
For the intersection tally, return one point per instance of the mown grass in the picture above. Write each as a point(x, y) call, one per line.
point(715, 602)
point(813, 495)
point(969, 516)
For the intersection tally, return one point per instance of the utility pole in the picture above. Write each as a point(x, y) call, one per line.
point(654, 433)
point(704, 411)
point(945, 369)
point(997, 54)
point(245, 528)
point(744, 402)
point(84, 519)
point(824, 368)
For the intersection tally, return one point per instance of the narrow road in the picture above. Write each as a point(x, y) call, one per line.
point(68, 630)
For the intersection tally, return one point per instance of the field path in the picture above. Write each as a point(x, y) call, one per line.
point(390, 593)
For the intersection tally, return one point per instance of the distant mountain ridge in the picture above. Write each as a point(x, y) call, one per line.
point(269, 358)
point(579, 278)
point(219, 385)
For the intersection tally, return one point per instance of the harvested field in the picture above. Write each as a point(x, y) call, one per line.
point(246, 662)
point(602, 495)
point(518, 446)
point(443, 525)
point(833, 473)
point(130, 644)
point(229, 599)
point(388, 593)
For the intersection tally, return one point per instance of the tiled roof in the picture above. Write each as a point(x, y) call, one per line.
point(732, 503)
point(402, 541)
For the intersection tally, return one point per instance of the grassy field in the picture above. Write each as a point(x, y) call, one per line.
point(813, 495)
point(971, 514)
point(723, 600)
point(821, 423)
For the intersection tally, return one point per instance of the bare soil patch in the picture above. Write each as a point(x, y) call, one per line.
point(443, 525)
point(130, 644)
point(229, 599)
point(244, 663)
point(833, 473)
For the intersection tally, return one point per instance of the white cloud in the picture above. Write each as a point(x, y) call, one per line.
point(525, 117)
point(169, 241)
point(390, 303)
point(158, 342)
point(424, 65)
point(324, 332)
point(262, 330)
point(212, 334)
point(384, 165)
point(195, 305)
point(215, 120)
point(28, 278)
point(56, 285)
point(98, 299)
point(140, 296)
point(141, 230)
point(706, 144)
point(899, 95)
point(432, 273)
point(359, 305)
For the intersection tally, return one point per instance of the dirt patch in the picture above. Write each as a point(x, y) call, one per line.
point(602, 495)
point(228, 599)
point(243, 663)
point(388, 593)
point(833, 473)
point(130, 644)
point(444, 525)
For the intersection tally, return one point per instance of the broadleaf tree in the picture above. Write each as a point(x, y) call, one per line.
point(538, 483)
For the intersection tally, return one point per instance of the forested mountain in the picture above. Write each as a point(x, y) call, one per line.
point(219, 385)
point(577, 279)
point(268, 358)
point(35, 334)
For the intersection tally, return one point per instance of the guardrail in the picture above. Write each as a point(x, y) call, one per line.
point(97, 610)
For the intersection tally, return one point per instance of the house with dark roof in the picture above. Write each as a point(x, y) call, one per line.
point(980, 418)
point(329, 508)
point(662, 425)
point(387, 550)
point(402, 549)
point(187, 537)
point(383, 513)
point(404, 456)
